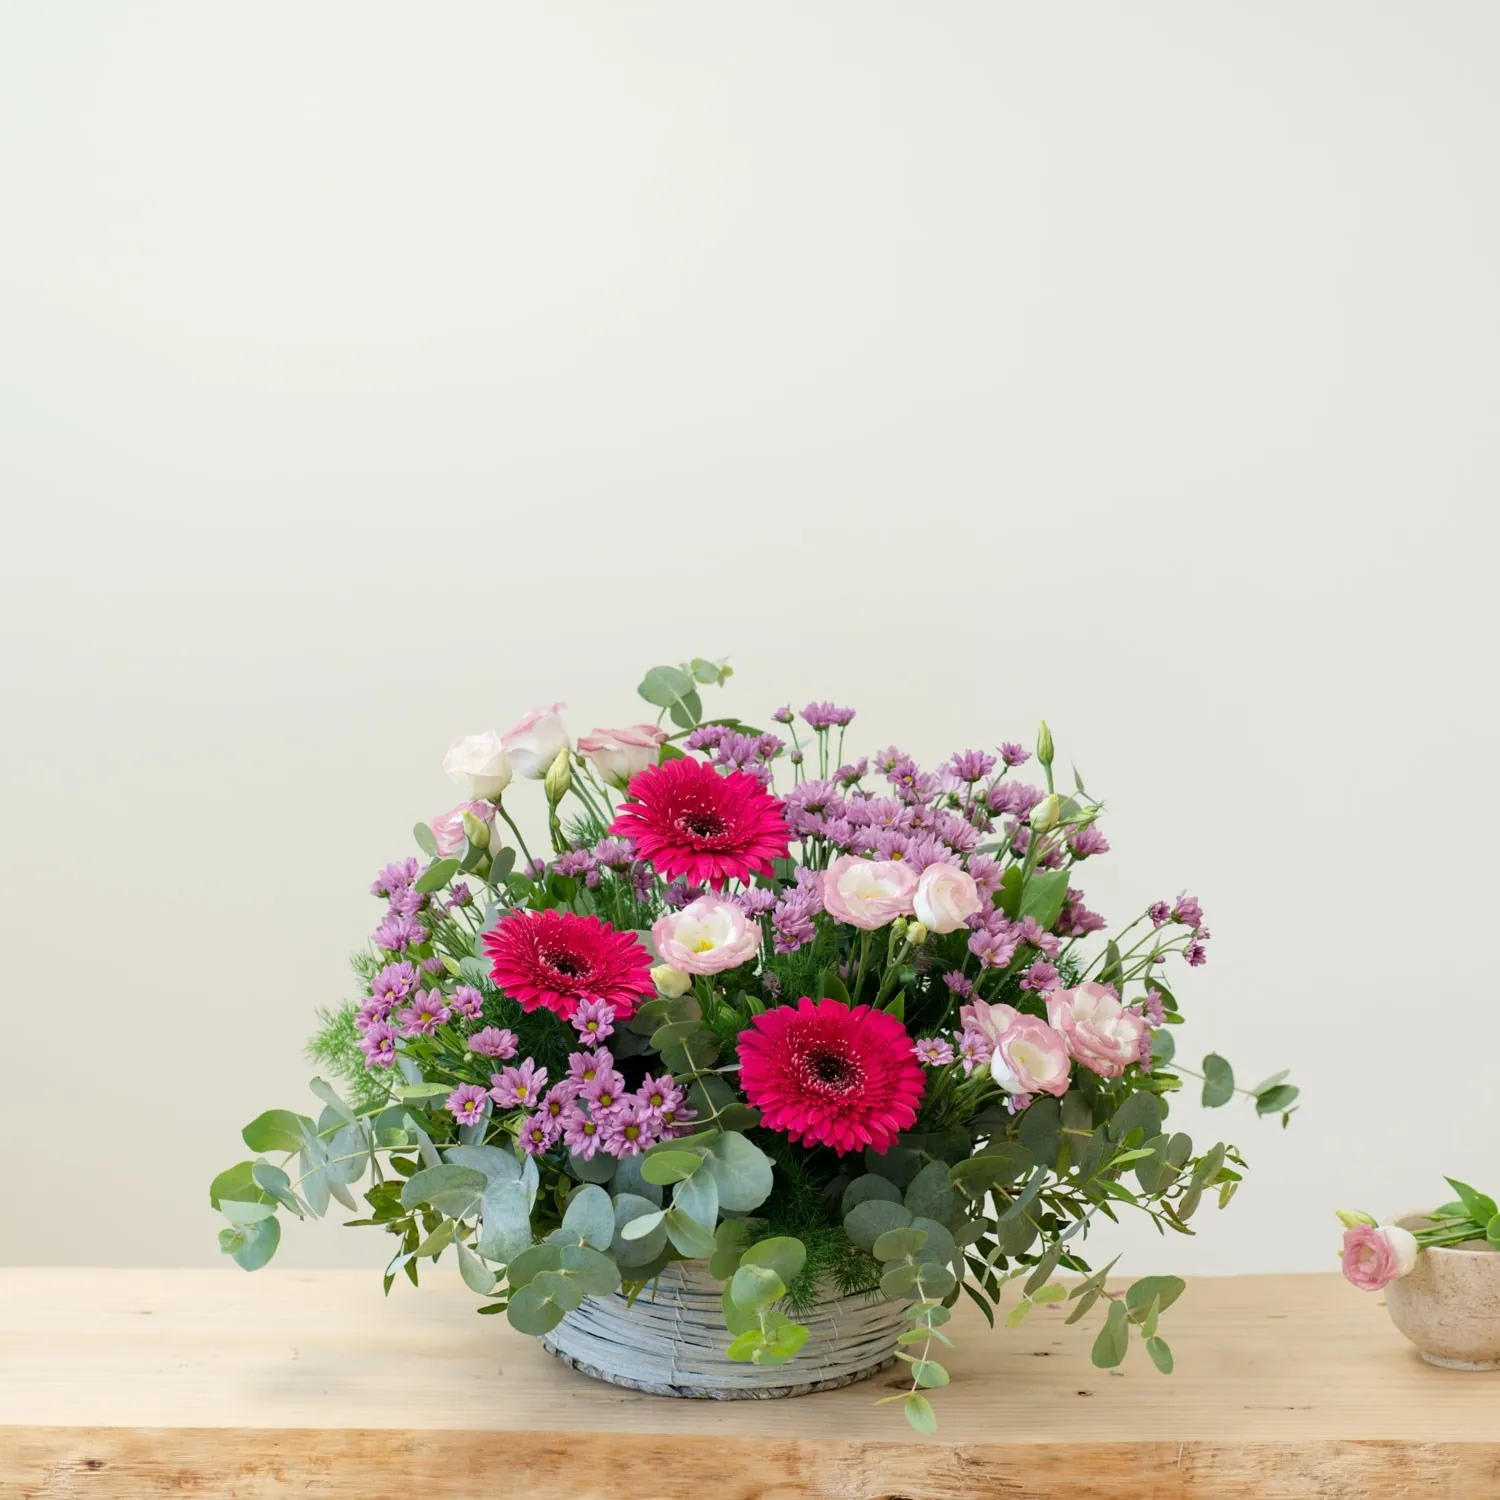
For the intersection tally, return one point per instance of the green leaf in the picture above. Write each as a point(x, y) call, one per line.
point(1478, 1206)
point(533, 1311)
point(931, 1195)
point(698, 1198)
point(897, 1244)
point(275, 1182)
point(530, 1262)
point(595, 1273)
point(928, 1372)
point(663, 1167)
point(1040, 1130)
point(597, 1169)
point(637, 1246)
point(867, 1221)
point(664, 686)
point(237, 1183)
point(1008, 898)
point(783, 1343)
point(1001, 1164)
point(254, 1244)
point(1114, 1338)
point(591, 1215)
point(1267, 1084)
point(1218, 1081)
point(330, 1096)
point(435, 876)
point(1141, 1111)
point(245, 1213)
point(919, 1413)
point(438, 1240)
point(1043, 895)
point(900, 1281)
point(730, 1239)
point(1492, 1230)
point(496, 1162)
point(1112, 969)
point(1161, 1290)
point(743, 1347)
point(477, 1276)
point(275, 1130)
point(1161, 1354)
point(755, 1288)
point(1163, 1047)
point(688, 1236)
point(506, 1229)
point(871, 1185)
point(687, 711)
point(426, 840)
point(741, 1170)
point(831, 987)
point(783, 1254)
point(452, 1190)
point(1276, 1099)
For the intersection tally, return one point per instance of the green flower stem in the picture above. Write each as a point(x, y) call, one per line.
point(864, 961)
point(511, 824)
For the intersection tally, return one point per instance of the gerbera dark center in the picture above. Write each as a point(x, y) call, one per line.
point(703, 825)
point(828, 1071)
point(569, 965)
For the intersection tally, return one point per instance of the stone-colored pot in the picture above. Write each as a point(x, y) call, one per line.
point(1449, 1306)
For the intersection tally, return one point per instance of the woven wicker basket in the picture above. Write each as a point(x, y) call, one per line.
point(671, 1342)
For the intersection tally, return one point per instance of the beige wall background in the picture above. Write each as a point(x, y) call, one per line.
point(371, 372)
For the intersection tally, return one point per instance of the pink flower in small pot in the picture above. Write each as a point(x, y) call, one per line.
point(617, 754)
point(1376, 1255)
point(448, 828)
point(534, 742)
point(1031, 1058)
point(945, 898)
point(707, 936)
point(868, 893)
point(1100, 1032)
point(989, 1020)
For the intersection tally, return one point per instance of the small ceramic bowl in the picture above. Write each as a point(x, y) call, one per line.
point(1449, 1306)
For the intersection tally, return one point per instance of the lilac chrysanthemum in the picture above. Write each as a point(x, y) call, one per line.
point(972, 765)
point(629, 1128)
point(825, 715)
point(468, 1002)
point(537, 1134)
point(518, 1087)
point(468, 1103)
point(594, 1020)
point(379, 1045)
point(580, 1132)
point(933, 1051)
point(395, 877)
point(425, 1013)
point(499, 1042)
point(397, 934)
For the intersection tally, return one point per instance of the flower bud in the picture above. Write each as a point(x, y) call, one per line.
point(476, 830)
point(1045, 814)
point(1352, 1218)
point(1044, 744)
point(559, 776)
point(916, 934)
point(671, 982)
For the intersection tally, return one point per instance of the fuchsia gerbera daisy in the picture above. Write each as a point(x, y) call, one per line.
point(828, 1075)
point(557, 959)
point(687, 819)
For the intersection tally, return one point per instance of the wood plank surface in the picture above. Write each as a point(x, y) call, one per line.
point(147, 1383)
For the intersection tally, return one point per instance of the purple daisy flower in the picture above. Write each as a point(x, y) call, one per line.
point(1041, 977)
point(1153, 1009)
point(1187, 911)
point(397, 934)
point(379, 1045)
point(604, 1091)
point(395, 877)
point(594, 1020)
point(1013, 754)
point(468, 1103)
point(459, 895)
point(972, 765)
point(1196, 954)
point(1088, 841)
point(784, 714)
point(825, 715)
point(407, 902)
point(933, 1051)
point(518, 1087)
point(580, 1132)
point(468, 1002)
point(1160, 913)
point(394, 983)
point(425, 1014)
point(537, 1134)
point(973, 1051)
point(660, 1095)
point(498, 1042)
point(585, 1067)
point(629, 1128)
point(960, 986)
point(614, 854)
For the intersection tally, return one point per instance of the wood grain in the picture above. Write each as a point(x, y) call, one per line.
point(209, 1383)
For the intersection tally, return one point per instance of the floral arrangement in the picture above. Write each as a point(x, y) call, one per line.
point(833, 1026)
point(1375, 1254)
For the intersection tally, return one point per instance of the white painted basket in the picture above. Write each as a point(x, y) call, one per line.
point(671, 1342)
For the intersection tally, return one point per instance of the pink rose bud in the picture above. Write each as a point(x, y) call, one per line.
point(945, 898)
point(1374, 1257)
point(618, 754)
point(534, 742)
point(1031, 1058)
point(1101, 1033)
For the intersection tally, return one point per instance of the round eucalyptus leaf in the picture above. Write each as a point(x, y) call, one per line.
point(783, 1255)
point(526, 1265)
point(596, 1273)
point(871, 1185)
point(897, 1244)
point(591, 1215)
point(741, 1170)
point(532, 1311)
point(867, 1221)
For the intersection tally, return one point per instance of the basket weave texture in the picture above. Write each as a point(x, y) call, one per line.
point(671, 1342)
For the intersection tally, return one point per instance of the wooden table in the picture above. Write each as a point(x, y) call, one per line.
point(215, 1383)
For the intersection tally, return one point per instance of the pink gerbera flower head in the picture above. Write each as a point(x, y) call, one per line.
point(557, 959)
point(828, 1075)
point(688, 820)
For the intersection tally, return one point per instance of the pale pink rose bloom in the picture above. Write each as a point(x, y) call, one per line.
point(868, 893)
point(945, 898)
point(1031, 1058)
point(989, 1020)
point(1101, 1033)
point(706, 937)
point(533, 744)
point(1375, 1256)
point(448, 828)
point(618, 754)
